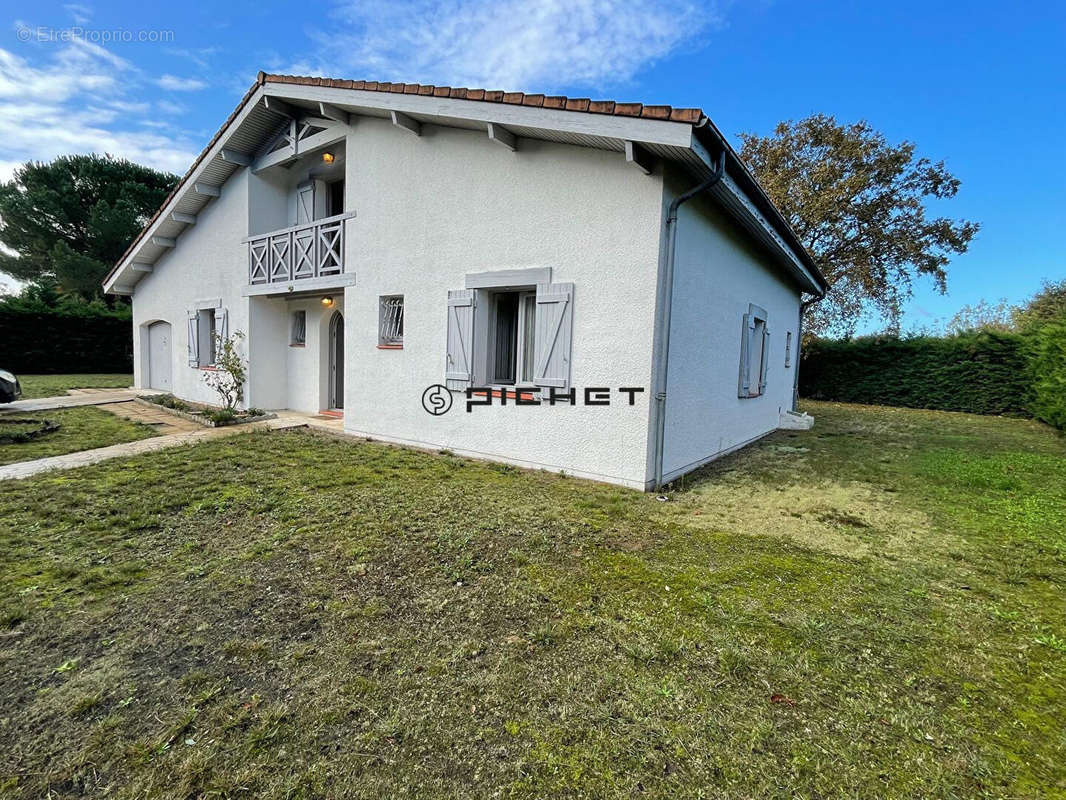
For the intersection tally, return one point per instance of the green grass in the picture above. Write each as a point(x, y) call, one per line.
point(81, 428)
point(35, 386)
point(874, 608)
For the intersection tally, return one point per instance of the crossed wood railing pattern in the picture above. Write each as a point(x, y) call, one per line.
point(311, 250)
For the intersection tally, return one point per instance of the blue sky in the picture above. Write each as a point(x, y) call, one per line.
point(980, 85)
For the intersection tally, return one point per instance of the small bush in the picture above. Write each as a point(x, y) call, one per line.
point(168, 401)
point(222, 416)
point(256, 412)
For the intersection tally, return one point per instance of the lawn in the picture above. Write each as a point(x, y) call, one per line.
point(81, 428)
point(874, 608)
point(34, 386)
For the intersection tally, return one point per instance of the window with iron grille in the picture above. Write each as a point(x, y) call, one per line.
point(390, 320)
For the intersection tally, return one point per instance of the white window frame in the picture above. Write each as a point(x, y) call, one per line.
point(523, 293)
point(391, 309)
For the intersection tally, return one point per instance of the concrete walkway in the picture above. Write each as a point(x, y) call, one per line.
point(82, 398)
point(286, 419)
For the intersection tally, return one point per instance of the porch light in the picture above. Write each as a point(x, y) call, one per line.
point(327, 302)
point(327, 158)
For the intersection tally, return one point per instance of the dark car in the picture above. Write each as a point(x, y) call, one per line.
point(10, 390)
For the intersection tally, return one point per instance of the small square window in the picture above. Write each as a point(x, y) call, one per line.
point(390, 320)
point(298, 329)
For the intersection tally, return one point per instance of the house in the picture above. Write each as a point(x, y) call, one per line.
point(608, 275)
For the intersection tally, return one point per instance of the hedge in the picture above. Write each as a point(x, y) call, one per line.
point(42, 342)
point(982, 372)
point(1047, 373)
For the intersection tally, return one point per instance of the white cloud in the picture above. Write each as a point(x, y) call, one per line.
point(173, 83)
point(170, 107)
point(200, 56)
point(79, 101)
point(67, 78)
point(507, 44)
point(78, 12)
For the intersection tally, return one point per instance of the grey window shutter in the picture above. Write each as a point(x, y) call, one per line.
point(764, 348)
point(305, 202)
point(458, 370)
point(194, 339)
point(746, 336)
point(221, 324)
point(553, 335)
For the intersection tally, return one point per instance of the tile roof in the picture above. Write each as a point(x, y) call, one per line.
point(581, 104)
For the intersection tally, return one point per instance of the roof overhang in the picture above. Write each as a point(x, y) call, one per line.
point(684, 136)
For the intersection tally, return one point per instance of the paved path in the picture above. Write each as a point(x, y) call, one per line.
point(286, 419)
point(157, 418)
point(83, 398)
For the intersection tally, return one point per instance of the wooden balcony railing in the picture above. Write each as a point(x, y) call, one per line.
point(311, 250)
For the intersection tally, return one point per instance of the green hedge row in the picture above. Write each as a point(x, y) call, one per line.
point(1047, 373)
point(981, 372)
point(40, 342)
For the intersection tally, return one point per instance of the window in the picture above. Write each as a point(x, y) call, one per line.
point(298, 329)
point(508, 330)
point(390, 321)
point(207, 324)
point(788, 349)
point(206, 318)
point(754, 346)
point(511, 343)
point(336, 198)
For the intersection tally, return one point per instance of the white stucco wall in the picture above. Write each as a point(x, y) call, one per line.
point(718, 272)
point(431, 209)
point(209, 262)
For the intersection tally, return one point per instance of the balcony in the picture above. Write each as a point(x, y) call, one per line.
point(312, 252)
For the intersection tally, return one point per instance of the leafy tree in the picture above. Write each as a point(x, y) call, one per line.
point(858, 205)
point(983, 316)
point(68, 221)
point(1047, 305)
point(38, 298)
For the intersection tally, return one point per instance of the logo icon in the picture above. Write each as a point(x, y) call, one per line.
point(436, 399)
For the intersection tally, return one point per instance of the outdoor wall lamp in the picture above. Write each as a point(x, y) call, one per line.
point(327, 302)
point(327, 158)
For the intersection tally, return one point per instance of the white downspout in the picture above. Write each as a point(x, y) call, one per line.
point(665, 309)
